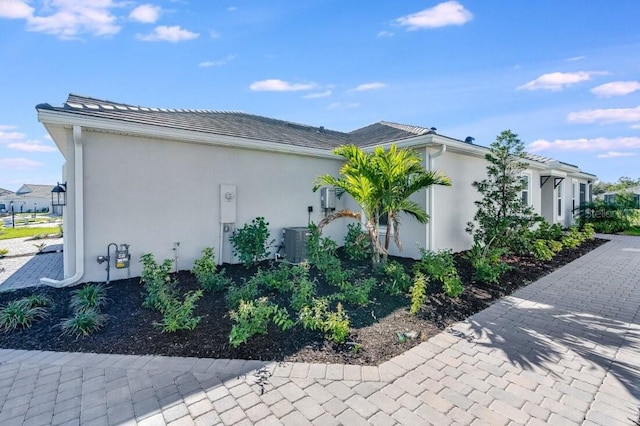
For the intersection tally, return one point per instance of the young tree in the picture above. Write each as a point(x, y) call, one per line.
point(502, 216)
point(381, 182)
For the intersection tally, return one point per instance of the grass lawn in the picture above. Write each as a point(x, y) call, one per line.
point(8, 233)
point(634, 231)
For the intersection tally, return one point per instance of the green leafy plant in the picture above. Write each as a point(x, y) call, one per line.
point(83, 323)
point(395, 279)
point(253, 317)
point(38, 300)
point(588, 232)
point(440, 266)
point(89, 297)
point(40, 247)
point(250, 243)
point(357, 293)
point(4, 252)
point(247, 291)
point(178, 314)
point(487, 263)
point(279, 279)
point(317, 316)
point(21, 313)
point(542, 251)
point(572, 238)
point(157, 281)
point(356, 243)
point(418, 292)
point(206, 272)
point(304, 290)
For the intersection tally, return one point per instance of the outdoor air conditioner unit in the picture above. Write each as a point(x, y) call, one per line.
point(295, 243)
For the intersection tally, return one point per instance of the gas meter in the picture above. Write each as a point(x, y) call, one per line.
point(122, 256)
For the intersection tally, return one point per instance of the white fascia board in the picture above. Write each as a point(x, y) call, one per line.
point(177, 135)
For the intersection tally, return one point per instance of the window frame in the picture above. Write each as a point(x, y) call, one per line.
point(527, 188)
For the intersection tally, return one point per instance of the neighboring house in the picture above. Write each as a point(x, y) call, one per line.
point(610, 197)
point(27, 198)
point(154, 177)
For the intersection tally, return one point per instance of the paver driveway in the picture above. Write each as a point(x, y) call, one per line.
point(564, 350)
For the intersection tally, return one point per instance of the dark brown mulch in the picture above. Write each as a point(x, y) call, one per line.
point(130, 328)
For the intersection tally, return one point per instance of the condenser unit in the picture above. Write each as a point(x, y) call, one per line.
point(295, 243)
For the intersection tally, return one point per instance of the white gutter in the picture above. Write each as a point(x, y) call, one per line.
point(79, 213)
point(431, 199)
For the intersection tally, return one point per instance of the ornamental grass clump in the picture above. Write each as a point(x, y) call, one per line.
point(86, 303)
point(22, 313)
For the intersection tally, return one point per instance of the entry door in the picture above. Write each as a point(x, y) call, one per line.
point(583, 194)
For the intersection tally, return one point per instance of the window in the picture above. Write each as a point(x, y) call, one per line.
point(526, 189)
point(574, 195)
point(560, 196)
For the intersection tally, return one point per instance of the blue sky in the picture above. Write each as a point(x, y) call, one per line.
point(562, 74)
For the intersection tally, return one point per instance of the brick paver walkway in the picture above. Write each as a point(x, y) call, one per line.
point(564, 350)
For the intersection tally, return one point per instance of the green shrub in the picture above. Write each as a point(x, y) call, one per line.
point(357, 293)
point(83, 323)
point(487, 263)
point(334, 325)
point(38, 300)
point(206, 272)
point(440, 266)
point(253, 317)
point(178, 315)
point(250, 243)
point(418, 292)
point(304, 291)
point(321, 250)
point(4, 252)
point(546, 231)
point(357, 245)
point(542, 251)
point(247, 291)
point(572, 238)
point(157, 281)
point(336, 275)
point(89, 297)
point(21, 313)
point(395, 279)
point(588, 232)
point(278, 279)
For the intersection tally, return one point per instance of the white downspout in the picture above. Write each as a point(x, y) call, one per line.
point(78, 191)
point(431, 199)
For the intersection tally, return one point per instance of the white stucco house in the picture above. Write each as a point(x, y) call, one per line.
point(27, 199)
point(131, 173)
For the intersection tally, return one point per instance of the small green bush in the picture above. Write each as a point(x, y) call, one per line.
point(89, 297)
point(157, 281)
point(21, 313)
point(440, 266)
point(588, 232)
point(247, 291)
point(304, 291)
point(358, 293)
point(83, 323)
point(250, 243)
point(178, 315)
point(487, 263)
point(418, 292)
point(278, 279)
point(572, 238)
point(395, 279)
point(542, 251)
point(253, 317)
point(207, 274)
point(334, 325)
point(4, 252)
point(356, 243)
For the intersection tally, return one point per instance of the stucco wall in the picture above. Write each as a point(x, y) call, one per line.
point(154, 193)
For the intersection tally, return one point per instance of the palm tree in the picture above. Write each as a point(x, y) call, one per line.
point(381, 182)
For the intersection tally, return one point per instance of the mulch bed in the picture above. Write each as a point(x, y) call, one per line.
point(130, 328)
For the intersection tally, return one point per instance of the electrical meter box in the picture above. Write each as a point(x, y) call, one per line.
point(328, 198)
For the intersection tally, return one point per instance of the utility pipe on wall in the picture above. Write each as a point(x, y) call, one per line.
point(78, 192)
point(431, 199)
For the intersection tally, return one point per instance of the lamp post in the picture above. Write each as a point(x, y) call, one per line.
point(13, 215)
point(35, 209)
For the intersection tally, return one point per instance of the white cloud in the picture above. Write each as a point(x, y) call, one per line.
point(584, 144)
point(214, 34)
point(232, 9)
point(31, 147)
point(369, 86)
point(173, 34)
point(72, 18)
point(19, 164)
point(6, 137)
point(556, 81)
point(146, 13)
point(575, 58)
point(606, 116)
point(275, 85)
point(616, 154)
point(324, 94)
point(15, 9)
point(441, 15)
point(385, 34)
point(616, 88)
point(340, 105)
point(218, 63)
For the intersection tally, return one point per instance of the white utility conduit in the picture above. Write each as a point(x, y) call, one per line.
point(78, 205)
point(431, 200)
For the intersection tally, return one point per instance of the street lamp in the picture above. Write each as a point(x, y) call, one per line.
point(35, 209)
point(13, 215)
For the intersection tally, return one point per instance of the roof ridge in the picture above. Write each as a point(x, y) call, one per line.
point(416, 130)
point(75, 101)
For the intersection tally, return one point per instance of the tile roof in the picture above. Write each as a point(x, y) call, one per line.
point(234, 123)
point(34, 190)
point(5, 192)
